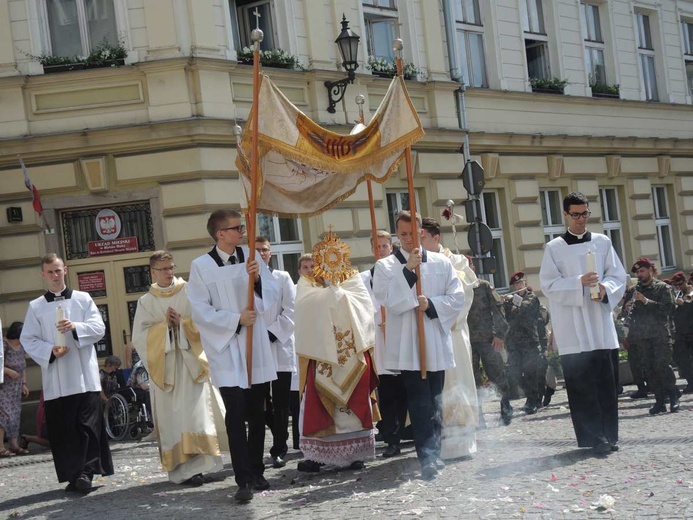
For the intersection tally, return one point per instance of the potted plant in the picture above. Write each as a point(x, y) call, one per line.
point(387, 69)
point(106, 54)
point(548, 85)
point(59, 63)
point(277, 58)
point(603, 90)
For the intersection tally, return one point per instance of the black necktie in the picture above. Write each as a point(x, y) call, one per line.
point(232, 260)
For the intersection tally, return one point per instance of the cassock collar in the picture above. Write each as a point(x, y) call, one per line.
point(403, 256)
point(66, 294)
point(571, 238)
point(222, 258)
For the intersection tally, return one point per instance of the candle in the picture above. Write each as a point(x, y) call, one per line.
point(591, 262)
point(60, 315)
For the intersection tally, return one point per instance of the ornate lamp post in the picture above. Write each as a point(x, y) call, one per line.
point(348, 43)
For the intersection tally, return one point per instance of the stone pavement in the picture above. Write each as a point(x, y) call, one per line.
point(530, 469)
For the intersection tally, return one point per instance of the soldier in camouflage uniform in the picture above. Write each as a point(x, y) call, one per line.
point(525, 342)
point(683, 322)
point(487, 328)
point(650, 309)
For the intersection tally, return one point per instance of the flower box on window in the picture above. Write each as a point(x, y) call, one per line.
point(276, 58)
point(602, 90)
point(103, 54)
point(548, 85)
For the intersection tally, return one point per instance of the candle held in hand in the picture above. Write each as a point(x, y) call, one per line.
point(60, 315)
point(591, 262)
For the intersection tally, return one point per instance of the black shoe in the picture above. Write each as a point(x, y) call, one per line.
point(260, 483)
point(70, 488)
point(440, 464)
point(278, 462)
point(548, 395)
point(674, 402)
point(244, 493)
point(506, 411)
point(429, 471)
point(391, 451)
point(640, 394)
point(357, 464)
point(194, 481)
point(531, 407)
point(659, 407)
point(688, 389)
point(614, 447)
point(378, 437)
point(83, 483)
point(309, 466)
point(602, 448)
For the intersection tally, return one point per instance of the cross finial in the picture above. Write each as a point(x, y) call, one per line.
point(257, 16)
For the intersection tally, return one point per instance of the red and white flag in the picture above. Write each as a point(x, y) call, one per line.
point(38, 208)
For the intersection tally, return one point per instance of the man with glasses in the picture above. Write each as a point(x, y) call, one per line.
point(280, 329)
point(186, 407)
point(683, 321)
point(218, 293)
point(583, 328)
point(650, 308)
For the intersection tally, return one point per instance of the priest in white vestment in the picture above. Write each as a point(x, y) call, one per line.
point(334, 341)
point(60, 330)
point(188, 410)
point(584, 280)
point(218, 294)
point(441, 301)
point(460, 403)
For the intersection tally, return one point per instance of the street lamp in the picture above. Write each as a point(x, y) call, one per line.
point(348, 43)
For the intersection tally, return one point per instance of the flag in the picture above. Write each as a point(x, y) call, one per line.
point(305, 169)
point(36, 202)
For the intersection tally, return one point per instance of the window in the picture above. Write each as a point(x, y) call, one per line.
point(470, 41)
point(398, 200)
point(536, 40)
point(646, 56)
point(687, 33)
point(608, 198)
point(76, 26)
point(286, 239)
point(244, 13)
point(663, 224)
point(381, 27)
point(490, 208)
point(594, 44)
point(551, 214)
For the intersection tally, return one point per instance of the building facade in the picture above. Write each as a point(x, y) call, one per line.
point(560, 95)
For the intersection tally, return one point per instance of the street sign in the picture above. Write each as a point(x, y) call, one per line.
point(486, 265)
point(473, 178)
point(480, 238)
point(472, 210)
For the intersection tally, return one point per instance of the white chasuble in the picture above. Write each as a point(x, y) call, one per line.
point(580, 324)
point(217, 296)
point(78, 370)
point(379, 350)
point(440, 284)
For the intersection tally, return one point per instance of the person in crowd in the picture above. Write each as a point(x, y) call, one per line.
point(188, 410)
point(525, 342)
point(12, 391)
point(683, 326)
point(439, 304)
point(280, 329)
point(108, 376)
point(392, 395)
point(584, 280)
point(41, 437)
point(60, 330)
point(335, 334)
point(218, 294)
point(461, 407)
point(487, 329)
point(649, 332)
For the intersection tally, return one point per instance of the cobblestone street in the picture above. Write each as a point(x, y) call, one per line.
point(530, 469)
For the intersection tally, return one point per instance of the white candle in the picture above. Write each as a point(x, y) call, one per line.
point(60, 315)
point(591, 262)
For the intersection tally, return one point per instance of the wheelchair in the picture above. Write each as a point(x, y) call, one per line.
point(126, 415)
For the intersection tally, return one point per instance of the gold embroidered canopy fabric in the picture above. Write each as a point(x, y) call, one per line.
point(305, 169)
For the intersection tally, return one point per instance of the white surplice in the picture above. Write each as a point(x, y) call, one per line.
point(440, 284)
point(379, 350)
point(460, 403)
point(280, 322)
point(218, 295)
point(77, 371)
point(580, 324)
point(188, 410)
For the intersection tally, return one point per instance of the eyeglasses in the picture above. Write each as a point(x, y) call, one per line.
point(262, 249)
point(239, 229)
point(171, 269)
point(584, 214)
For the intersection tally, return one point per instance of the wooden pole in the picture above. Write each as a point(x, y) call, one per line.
point(251, 216)
point(414, 224)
